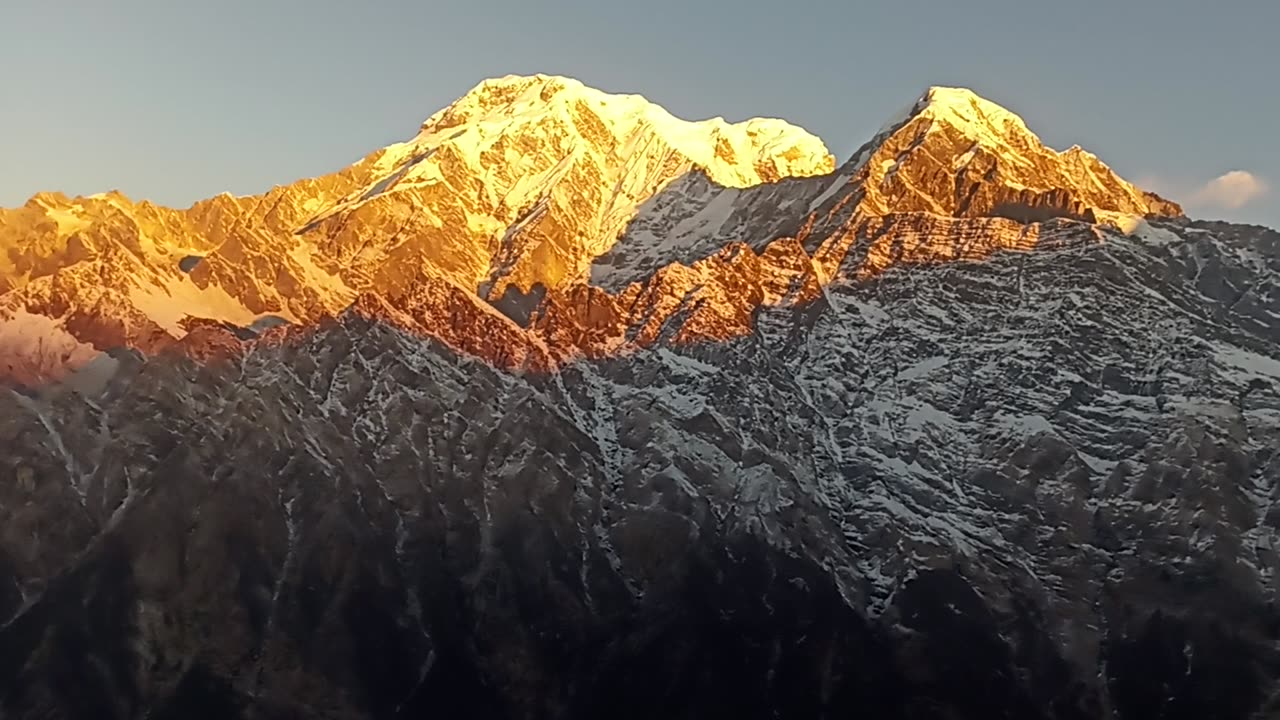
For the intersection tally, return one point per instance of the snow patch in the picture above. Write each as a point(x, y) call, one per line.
point(1250, 364)
point(1155, 236)
point(172, 300)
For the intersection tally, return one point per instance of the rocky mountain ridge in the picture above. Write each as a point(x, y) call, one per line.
point(507, 185)
point(964, 428)
point(523, 180)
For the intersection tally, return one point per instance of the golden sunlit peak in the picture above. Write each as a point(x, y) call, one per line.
point(48, 198)
point(964, 108)
point(960, 108)
point(549, 83)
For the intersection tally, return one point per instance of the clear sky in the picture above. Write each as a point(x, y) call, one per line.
point(174, 100)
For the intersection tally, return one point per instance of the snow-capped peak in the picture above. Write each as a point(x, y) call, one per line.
point(959, 108)
point(966, 110)
point(496, 177)
point(989, 151)
point(520, 104)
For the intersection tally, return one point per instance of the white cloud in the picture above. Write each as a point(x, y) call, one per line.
point(1230, 191)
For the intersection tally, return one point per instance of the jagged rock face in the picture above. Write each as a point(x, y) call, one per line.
point(527, 179)
point(885, 500)
point(523, 181)
point(960, 155)
point(791, 453)
point(953, 154)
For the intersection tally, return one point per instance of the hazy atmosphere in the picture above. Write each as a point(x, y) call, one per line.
point(177, 101)
point(645, 361)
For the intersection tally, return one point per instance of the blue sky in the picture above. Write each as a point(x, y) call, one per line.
point(174, 100)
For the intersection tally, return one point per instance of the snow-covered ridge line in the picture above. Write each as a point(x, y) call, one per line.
point(529, 181)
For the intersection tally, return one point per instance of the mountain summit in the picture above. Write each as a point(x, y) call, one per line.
point(958, 154)
point(526, 179)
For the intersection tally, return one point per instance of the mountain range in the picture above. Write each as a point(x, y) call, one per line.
point(568, 408)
